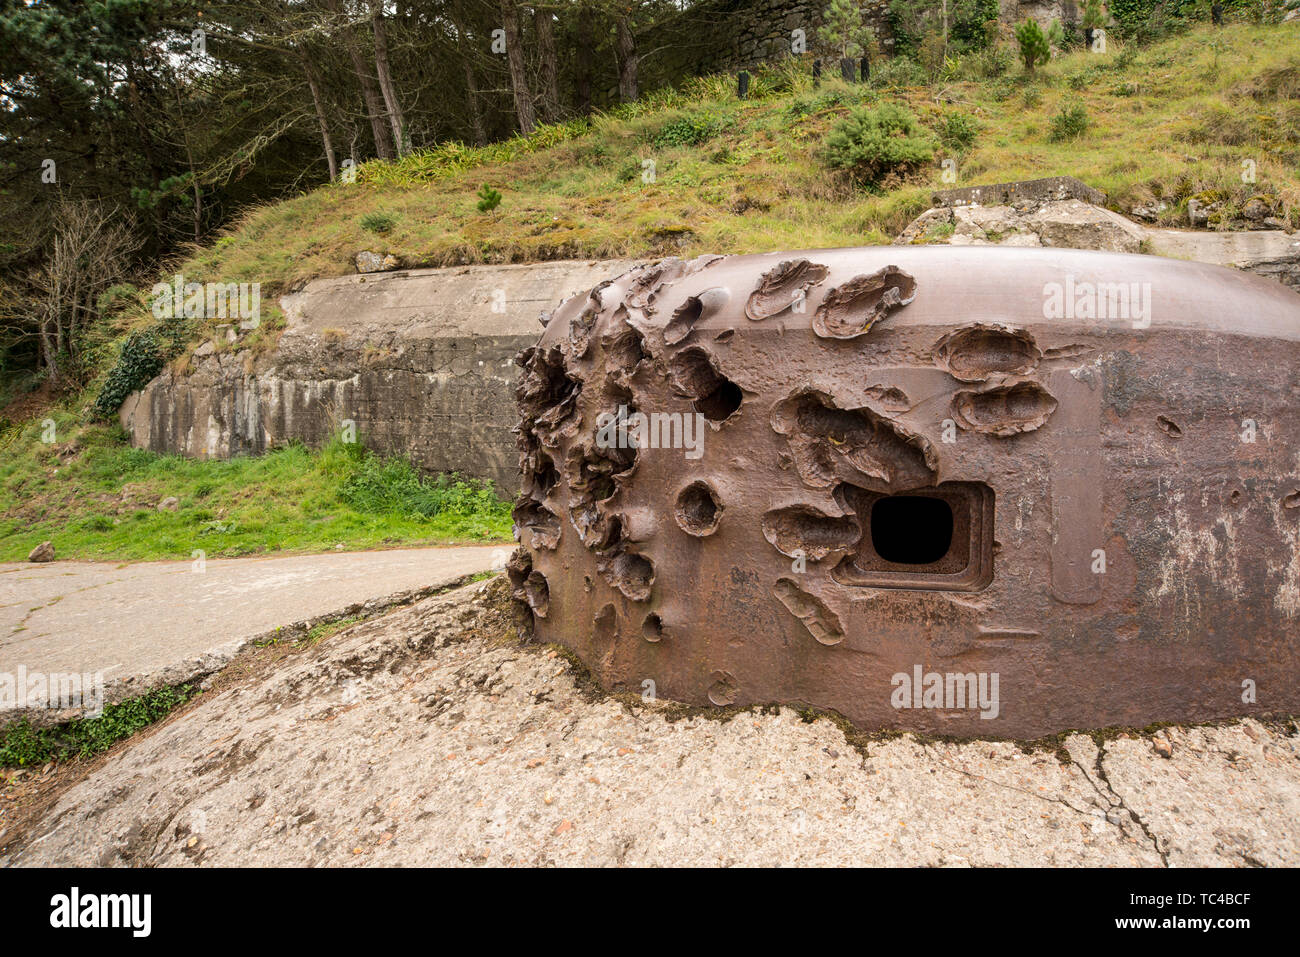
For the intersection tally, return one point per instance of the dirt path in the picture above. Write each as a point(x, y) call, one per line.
point(431, 736)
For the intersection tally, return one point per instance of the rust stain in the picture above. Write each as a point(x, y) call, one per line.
point(742, 484)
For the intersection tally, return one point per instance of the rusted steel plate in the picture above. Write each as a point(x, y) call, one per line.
point(967, 491)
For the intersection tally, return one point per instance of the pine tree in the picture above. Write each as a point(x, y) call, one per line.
point(842, 28)
point(1034, 48)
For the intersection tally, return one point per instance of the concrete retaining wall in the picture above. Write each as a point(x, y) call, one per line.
point(421, 362)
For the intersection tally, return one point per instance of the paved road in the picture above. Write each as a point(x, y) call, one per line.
point(163, 622)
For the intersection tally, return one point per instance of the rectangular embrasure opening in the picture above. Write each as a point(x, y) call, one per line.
point(937, 538)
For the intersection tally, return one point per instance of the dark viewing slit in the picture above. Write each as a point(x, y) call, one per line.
point(911, 529)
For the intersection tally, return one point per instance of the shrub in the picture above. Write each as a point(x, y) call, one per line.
point(488, 199)
point(1034, 48)
point(898, 71)
point(378, 222)
point(21, 745)
point(629, 171)
point(1068, 124)
point(1000, 91)
point(993, 61)
point(393, 486)
point(873, 143)
point(691, 130)
point(842, 29)
point(1079, 80)
point(958, 132)
point(139, 361)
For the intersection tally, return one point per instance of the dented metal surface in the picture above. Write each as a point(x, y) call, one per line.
point(875, 480)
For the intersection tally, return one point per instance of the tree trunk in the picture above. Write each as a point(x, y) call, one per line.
point(548, 74)
point(585, 40)
point(369, 89)
point(320, 117)
point(475, 111)
point(395, 118)
point(627, 60)
point(518, 76)
point(471, 85)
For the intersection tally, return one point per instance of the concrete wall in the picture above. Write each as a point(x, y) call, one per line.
point(419, 360)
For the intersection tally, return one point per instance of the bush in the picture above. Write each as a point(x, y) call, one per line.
point(488, 199)
point(139, 361)
point(393, 486)
point(958, 132)
point(1000, 91)
point(874, 143)
point(898, 71)
point(1034, 48)
point(993, 61)
point(911, 20)
point(1070, 123)
point(378, 222)
point(629, 171)
point(690, 130)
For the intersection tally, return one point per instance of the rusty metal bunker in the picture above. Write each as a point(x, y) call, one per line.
point(816, 477)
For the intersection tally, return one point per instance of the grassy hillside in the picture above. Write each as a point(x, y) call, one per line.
point(1168, 122)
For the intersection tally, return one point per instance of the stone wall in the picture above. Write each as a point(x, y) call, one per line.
point(420, 361)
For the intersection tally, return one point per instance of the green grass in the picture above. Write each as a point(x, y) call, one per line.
point(22, 745)
point(1168, 120)
point(96, 498)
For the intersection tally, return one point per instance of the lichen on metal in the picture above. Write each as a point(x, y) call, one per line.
point(891, 482)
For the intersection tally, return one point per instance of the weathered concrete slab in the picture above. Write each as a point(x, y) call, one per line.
point(1225, 249)
point(405, 741)
point(1047, 189)
point(420, 362)
point(155, 623)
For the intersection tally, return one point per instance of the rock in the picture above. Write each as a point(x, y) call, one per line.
point(44, 552)
point(923, 228)
point(1198, 213)
point(170, 504)
point(368, 261)
point(1149, 212)
point(1068, 223)
point(205, 350)
point(1075, 224)
point(1256, 210)
point(1164, 747)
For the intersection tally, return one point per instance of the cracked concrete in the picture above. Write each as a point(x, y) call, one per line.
point(431, 736)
